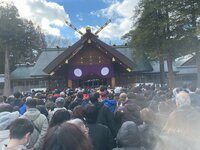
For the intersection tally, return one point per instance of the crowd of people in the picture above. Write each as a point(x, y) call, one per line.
point(144, 117)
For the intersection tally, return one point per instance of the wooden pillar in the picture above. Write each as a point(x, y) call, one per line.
point(113, 83)
point(69, 83)
point(49, 84)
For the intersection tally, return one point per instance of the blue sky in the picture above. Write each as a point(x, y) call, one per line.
point(80, 14)
point(80, 11)
point(50, 15)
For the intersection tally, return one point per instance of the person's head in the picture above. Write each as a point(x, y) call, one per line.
point(10, 99)
point(147, 115)
point(91, 114)
point(103, 88)
point(110, 96)
point(50, 105)
point(4, 107)
point(183, 99)
point(128, 135)
point(62, 94)
point(60, 102)
point(31, 102)
point(20, 130)
point(78, 112)
point(80, 95)
point(94, 97)
point(17, 94)
point(59, 117)
point(123, 97)
point(38, 95)
point(131, 95)
point(80, 124)
point(40, 102)
point(66, 136)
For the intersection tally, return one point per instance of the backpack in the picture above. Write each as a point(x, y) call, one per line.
point(34, 136)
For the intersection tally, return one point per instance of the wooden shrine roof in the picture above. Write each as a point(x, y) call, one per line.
point(60, 59)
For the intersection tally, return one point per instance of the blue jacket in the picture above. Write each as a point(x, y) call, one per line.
point(22, 109)
point(110, 104)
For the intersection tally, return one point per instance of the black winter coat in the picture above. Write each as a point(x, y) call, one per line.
point(106, 117)
point(101, 137)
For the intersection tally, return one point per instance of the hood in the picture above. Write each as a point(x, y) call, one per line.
point(32, 114)
point(4, 134)
point(128, 135)
point(4, 138)
point(6, 118)
point(56, 109)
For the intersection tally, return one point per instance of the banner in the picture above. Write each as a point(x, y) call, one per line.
point(99, 70)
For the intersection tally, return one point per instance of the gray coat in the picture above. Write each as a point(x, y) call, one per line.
point(41, 122)
point(6, 118)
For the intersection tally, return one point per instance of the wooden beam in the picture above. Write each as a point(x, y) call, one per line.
point(113, 83)
point(69, 83)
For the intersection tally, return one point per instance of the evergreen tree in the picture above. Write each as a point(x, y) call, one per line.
point(17, 40)
point(149, 35)
point(190, 11)
point(162, 31)
point(56, 41)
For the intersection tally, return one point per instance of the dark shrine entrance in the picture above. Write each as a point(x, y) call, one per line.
point(92, 83)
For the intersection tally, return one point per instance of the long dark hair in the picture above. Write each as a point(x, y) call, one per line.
point(66, 136)
point(59, 117)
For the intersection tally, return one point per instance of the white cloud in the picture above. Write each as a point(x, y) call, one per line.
point(121, 13)
point(111, 33)
point(121, 9)
point(109, 1)
point(79, 16)
point(48, 15)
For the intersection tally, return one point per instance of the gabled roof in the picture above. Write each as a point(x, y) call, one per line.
point(60, 58)
point(44, 59)
point(187, 70)
point(115, 53)
point(22, 72)
point(78, 46)
point(190, 62)
point(182, 60)
point(156, 66)
point(142, 64)
point(188, 66)
point(50, 58)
